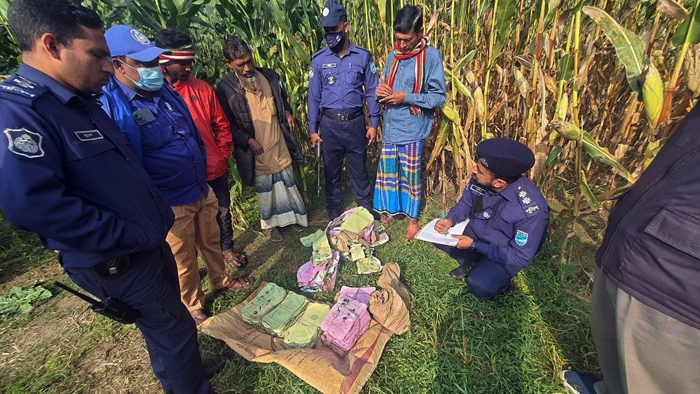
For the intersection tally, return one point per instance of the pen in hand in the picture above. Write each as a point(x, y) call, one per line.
point(443, 218)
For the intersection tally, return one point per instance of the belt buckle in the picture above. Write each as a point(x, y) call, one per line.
point(343, 117)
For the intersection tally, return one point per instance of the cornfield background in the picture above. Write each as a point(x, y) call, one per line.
point(593, 87)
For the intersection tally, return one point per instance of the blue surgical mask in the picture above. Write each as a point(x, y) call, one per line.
point(150, 78)
point(335, 41)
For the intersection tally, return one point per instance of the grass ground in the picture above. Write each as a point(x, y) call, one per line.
point(516, 343)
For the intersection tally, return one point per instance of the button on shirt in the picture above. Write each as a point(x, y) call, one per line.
point(337, 84)
point(510, 227)
point(172, 154)
point(400, 126)
point(75, 181)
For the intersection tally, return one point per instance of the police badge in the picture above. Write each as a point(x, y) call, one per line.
point(23, 142)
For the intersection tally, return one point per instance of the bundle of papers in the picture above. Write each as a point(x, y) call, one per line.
point(266, 300)
point(306, 331)
point(345, 324)
point(429, 234)
point(277, 320)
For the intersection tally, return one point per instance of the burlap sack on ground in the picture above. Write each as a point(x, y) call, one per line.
point(321, 367)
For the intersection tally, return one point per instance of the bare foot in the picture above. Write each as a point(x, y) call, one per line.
point(412, 229)
point(390, 218)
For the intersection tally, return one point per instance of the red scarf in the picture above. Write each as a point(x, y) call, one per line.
point(421, 53)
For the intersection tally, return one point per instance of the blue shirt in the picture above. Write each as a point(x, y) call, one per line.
point(512, 225)
point(68, 174)
point(400, 126)
point(172, 150)
point(336, 84)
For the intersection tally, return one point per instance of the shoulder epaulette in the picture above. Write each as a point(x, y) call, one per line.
point(20, 89)
point(528, 203)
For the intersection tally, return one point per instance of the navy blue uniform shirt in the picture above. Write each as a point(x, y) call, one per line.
point(68, 174)
point(337, 84)
point(512, 225)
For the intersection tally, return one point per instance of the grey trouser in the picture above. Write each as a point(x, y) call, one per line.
point(641, 350)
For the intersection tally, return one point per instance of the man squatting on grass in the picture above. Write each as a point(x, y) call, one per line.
point(67, 172)
point(212, 123)
point(412, 88)
point(508, 219)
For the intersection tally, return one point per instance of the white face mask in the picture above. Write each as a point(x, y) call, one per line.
point(150, 78)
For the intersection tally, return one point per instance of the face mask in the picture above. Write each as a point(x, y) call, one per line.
point(150, 78)
point(335, 41)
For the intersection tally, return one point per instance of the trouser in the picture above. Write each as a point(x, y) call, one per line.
point(487, 278)
point(222, 192)
point(150, 286)
point(640, 349)
point(345, 140)
point(195, 230)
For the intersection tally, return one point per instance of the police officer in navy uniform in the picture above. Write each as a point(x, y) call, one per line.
point(508, 219)
point(336, 80)
point(68, 174)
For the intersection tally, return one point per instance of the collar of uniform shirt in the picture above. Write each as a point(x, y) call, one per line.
point(351, 48)
point(38, 77)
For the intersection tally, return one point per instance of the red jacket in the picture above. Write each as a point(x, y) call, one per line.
point(211, 122)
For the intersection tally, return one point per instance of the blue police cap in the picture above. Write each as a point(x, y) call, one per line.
point(505, 157)
point(127, 41)
point(331, 14)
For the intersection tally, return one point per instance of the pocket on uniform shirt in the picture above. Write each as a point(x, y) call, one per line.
point(355, 78)
point(676, 229)
point(86, 149)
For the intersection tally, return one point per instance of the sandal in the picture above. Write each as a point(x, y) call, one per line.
point(275, 235)
point(199, 316)
point(390, 218)
point(297, 228)
point(240, 283)
point(235, 259)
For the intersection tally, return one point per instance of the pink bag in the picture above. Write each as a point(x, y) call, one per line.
point(345, 323)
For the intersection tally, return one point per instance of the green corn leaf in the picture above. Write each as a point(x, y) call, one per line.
point(689, 30)
point(461, 88)
point(553, 157)
point(464, 61)
point(587, 192)
point(566, 68)
point(628, 45)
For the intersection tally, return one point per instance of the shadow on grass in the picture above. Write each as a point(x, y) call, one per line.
point(21, 252)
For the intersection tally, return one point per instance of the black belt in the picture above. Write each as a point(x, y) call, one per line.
point(342, 117)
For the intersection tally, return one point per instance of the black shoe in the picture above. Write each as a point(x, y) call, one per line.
point(458, 273)
point(374, 213)
point(214, 364)
point(333, 215)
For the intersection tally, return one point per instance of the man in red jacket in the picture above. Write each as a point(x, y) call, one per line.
point(212, 123)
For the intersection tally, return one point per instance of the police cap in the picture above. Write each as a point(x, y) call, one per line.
point(331, 14)
point(127, 41)
point(505, 157)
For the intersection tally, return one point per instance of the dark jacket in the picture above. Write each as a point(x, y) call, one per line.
point(651, 247)
point(232, 98)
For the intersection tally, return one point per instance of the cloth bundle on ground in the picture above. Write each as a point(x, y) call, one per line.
point(312, 278)
point(267, 299)
point(345, 323)
point(277, 320)
point(389, 306)
point(318, 241)
point(356, 226)
point(307, 328)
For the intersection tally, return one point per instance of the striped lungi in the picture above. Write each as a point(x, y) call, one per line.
point(279, 200)
point(398, 187)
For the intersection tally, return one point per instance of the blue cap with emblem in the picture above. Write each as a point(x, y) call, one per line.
point(331, 14)
point(505, 157)
point(127, 41)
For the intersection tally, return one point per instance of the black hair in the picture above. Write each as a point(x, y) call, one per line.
point(409, 18)
point(30, 19)
point(172, 38)
point(235, 48)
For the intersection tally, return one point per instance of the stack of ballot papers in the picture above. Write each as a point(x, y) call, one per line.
point(266, 300)
point(277, 320)
point(306, 331)
point(429, 234)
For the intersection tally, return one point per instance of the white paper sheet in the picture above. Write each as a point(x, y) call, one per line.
point(429, 234)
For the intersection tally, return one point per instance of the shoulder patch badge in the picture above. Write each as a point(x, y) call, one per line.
point(23, 142)
point(311, 73)
point(521, 238)
point(372, 68)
